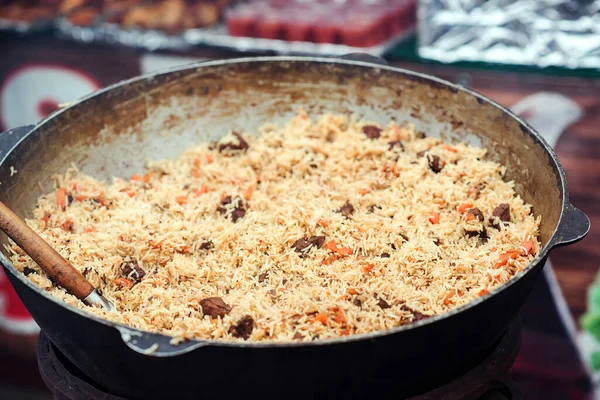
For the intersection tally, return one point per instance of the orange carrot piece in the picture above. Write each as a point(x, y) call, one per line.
point(80, 197)
point(74, 186)
point(321, 317)
point(339, 316)
point(448, 298)
point(343, 251)
point(195, 173)
point(324, 222)
point(201, 191)
point(331, 245)
point(526, 246)
point(352, 291)
point(394, 169)
point(124, 282)
point(197, 163)
point(45, 219)
point(136, 178)
point(146, 178)
point(248, 193)
point(61, 198)
point(483, 292)
point(90, 229)
point(155, 244)
point(210, 158)
point(131, 193)
point(368, 268)
point(181, 200)
point(503, 260)
point(451, 295)
point(450, 148)
point(465, 206)
point(364, 191)
point(434, 217)
point(329, 260)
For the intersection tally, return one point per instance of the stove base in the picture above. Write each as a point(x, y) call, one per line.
point(487, 381)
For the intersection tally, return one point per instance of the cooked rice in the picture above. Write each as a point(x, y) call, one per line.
point(176, 222)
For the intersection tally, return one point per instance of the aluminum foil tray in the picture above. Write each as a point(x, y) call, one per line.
point(541, 33)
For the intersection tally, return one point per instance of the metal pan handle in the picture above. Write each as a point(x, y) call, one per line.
point(572, 227)
point(156, 345)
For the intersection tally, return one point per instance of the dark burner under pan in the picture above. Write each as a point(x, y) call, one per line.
point(487, 381)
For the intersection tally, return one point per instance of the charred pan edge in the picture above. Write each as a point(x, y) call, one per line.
point(146, 340)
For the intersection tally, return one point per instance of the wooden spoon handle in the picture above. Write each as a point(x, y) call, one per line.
point(59, 269)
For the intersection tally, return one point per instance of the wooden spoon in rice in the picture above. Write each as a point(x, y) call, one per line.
point(58, 269)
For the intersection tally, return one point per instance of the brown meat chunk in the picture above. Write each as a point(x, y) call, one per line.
point(417, 316)
point(243, 329)
point(240, 145)
point(206, 245)
point(356, 301)
point(237, 212)
point(372, 208)
point(421, 153)
point(475, 192)
point(215, 307)
point(482, 235)
point(371, 131)
point(385, 255)
point(502, 212)
point(475, 213)
point(298, 336)
point(132, 271)
point(383, 304)
point(306, 243)
point(396, 143)
point(421, 135)
point(28, 271)
point(435, 163)
point(263, 277)
point(346, 210)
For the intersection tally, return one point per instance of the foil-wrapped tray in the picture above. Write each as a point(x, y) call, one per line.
point(541, 33)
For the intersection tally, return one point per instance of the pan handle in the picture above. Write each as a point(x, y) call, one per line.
point(156, 345)
point(572, 227)
point(364, 57)
point(9, 138)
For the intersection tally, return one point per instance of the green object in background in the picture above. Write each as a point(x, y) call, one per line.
point(596, 360)
point(590, 321)
point(407, 51)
